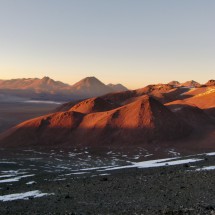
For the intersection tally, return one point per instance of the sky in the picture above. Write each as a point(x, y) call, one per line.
point(133, 42)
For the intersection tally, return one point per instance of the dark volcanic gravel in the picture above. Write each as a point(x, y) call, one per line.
point(164, 190)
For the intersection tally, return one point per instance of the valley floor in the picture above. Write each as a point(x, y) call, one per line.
point(12, 113)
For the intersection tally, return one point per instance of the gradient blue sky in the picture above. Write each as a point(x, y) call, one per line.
point(134, 42)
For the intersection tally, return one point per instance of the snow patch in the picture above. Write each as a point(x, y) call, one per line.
point(173, 152)
point(156, 163)
point(206, 168)
point(23, 196)
point(31, 182)
point(210, 154)
point(7, 162)
point(15, 178)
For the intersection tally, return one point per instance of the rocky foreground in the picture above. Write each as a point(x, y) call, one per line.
point(187, 188)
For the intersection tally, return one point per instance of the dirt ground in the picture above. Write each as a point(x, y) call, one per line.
point(167, 190)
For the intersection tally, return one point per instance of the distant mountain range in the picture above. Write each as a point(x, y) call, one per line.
point(48, 89)
point(191, 83)
point(156, 116)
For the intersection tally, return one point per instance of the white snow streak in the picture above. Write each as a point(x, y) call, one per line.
point(23, 196)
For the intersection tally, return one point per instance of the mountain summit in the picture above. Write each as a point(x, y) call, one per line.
point(210, 83)
point(191, 83)
point(117, 87)
point(90, 87)
point(174, 83)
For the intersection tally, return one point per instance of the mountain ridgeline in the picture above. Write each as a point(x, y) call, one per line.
point(91, 123)
point(48, 89)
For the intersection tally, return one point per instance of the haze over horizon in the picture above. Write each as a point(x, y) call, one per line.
point(133, 43)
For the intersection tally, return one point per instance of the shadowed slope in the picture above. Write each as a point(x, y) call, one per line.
point(193, 115)
point(93, 105)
